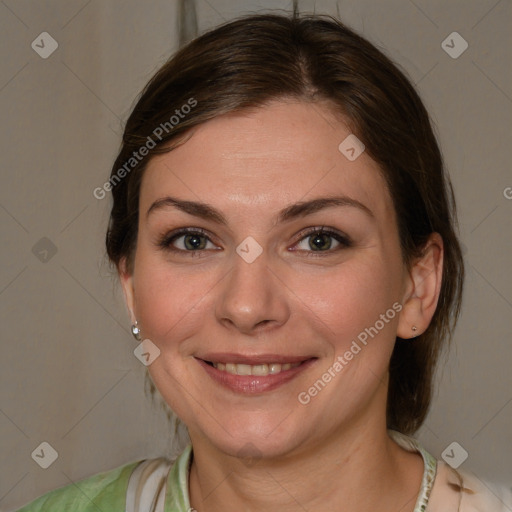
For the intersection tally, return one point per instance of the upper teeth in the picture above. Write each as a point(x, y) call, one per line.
point(256, 369)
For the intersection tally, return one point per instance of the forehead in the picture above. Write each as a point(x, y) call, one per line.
point(263, 159)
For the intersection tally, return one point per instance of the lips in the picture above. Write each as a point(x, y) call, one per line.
point(253, 374)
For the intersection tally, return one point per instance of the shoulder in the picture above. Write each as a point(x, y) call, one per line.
point(445, 489)
point(103, 491)
point(465, 492)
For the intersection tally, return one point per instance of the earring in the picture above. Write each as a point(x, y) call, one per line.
point(136, 331)
point(414, 328)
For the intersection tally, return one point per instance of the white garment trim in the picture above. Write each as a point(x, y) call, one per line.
point(147, 486)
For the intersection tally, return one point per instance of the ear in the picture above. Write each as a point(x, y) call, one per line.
point(126, 278)
point(422, 289)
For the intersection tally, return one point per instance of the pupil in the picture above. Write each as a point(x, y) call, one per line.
point(321, 241)
point(192, 242)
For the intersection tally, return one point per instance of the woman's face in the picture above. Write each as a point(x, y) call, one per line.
point(254, 288)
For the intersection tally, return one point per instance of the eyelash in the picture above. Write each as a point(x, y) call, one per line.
point(166, 242)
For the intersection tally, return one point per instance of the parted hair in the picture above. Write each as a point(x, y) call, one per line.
point(252, 60)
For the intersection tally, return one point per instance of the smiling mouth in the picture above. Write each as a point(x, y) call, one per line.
point(266, 373)
point(260, 370)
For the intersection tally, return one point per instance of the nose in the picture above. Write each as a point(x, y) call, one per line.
point(252, 298)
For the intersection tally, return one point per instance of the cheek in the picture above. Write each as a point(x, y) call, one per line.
point(169, 300)
point(353, 297)
point(358, 305)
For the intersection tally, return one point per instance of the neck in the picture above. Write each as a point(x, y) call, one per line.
point(357, 469)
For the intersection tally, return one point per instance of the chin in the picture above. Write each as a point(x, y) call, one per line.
point(256, 438)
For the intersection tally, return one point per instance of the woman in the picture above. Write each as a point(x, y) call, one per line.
point(284, 235)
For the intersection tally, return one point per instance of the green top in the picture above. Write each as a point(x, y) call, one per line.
point(103, 492)
point(106, 492)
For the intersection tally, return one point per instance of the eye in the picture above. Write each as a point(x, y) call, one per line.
point(321, 240)
point(187, 240)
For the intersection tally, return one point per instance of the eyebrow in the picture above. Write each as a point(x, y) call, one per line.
point(300, 209)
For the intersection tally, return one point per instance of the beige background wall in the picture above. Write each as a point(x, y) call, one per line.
point(68, 373)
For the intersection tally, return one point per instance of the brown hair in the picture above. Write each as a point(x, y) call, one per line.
point(252, 60)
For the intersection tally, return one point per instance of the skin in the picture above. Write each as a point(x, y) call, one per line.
point(334, 450)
